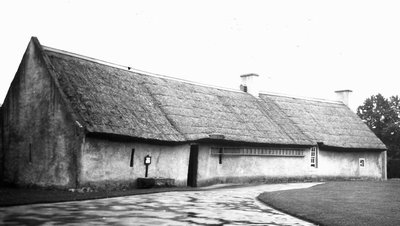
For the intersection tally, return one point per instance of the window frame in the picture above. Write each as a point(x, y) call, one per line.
point(314, 157)
point(361, 162)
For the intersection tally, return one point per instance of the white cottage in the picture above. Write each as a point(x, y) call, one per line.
point(71, 121)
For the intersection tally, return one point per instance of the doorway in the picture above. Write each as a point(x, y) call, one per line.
point(193, 163)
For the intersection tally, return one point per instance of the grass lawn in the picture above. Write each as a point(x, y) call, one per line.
point(342, 203)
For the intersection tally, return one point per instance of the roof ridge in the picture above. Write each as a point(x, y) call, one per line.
point(300, 97)
point(131, 69)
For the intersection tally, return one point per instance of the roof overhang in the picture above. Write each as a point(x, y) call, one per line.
point(347, 149)
point(125, 138)
point(213, 141)
point(246, 143)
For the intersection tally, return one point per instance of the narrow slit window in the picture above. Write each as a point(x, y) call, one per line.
point(30, 153)
point(132, 154)
point(220, 155)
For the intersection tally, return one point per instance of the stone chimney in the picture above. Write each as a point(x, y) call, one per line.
point(249, 84)
point(343, 96)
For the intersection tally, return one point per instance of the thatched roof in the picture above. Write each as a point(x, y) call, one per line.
point(112, 100)
point(116, 101)
point(327, 122)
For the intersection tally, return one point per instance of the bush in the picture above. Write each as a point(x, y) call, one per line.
point(393, 168)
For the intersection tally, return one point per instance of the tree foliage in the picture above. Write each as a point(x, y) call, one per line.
point(382, 115)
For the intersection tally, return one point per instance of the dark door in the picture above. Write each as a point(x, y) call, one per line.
point(193, 160)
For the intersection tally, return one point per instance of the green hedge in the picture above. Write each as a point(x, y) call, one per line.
point(393, 168)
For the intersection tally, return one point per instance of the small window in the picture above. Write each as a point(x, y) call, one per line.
point(361, 162)
point(132, 154)
point(314, 157)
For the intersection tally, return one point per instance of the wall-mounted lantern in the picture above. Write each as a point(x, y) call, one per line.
point(147, 162)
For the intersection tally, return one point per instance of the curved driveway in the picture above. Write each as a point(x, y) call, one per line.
point(225, 206)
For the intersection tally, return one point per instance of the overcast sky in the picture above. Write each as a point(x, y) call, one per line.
point(305, 48)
